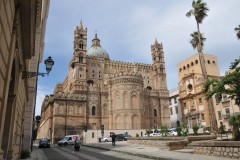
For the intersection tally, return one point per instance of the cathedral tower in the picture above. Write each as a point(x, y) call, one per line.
point(78, 63)
point(158, 65)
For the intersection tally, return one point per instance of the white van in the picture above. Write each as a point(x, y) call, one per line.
point(69, 139)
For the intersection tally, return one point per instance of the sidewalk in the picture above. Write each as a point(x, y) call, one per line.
point(152, 152)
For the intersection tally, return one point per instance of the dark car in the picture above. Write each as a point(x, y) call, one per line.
point(122, 137)
point(44, 143)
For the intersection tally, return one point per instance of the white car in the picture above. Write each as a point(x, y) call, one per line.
point(106, 139)
point(173, 132)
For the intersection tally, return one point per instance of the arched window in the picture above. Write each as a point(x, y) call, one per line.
point(90, 82)
point(81, 59)
point(196, 61)
point(155, 112)
point(149, 88)
point(93, 111)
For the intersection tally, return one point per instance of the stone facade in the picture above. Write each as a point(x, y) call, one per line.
point(196, 109)
point(99, 91)
point(22, 29)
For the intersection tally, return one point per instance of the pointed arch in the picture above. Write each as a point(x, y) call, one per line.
point(125, 97)
point(161, 69)
point(117, 100)
point(80, 110)
point(118, 122)
point(134, 101)
point(105, 110)
point(135, 122)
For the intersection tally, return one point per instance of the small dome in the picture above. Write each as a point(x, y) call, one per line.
point(97, 50)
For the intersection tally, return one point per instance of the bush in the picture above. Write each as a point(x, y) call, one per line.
point(179, 131)
point(184, 129)
point(148, 132)
point(222, 129)
point(195, 129)
point(234, 121)
point(25, 154)
point(164, 130)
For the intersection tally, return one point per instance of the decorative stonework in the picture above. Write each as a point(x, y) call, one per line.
point(121, 92)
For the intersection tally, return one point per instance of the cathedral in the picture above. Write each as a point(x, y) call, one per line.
point(100, 92)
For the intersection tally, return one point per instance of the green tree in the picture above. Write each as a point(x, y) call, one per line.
point(237, 29)
point(195, 129)
point(228, 84)
point(148, 132)
point(164, 130)
point(194, 41)
point(222, 128)
point(235, 122)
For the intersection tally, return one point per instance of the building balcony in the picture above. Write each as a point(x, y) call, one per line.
point(228, 115)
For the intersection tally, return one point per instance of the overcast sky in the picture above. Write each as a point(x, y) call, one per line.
point(127, 28)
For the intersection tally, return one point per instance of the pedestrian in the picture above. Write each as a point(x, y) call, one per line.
point(113, 139)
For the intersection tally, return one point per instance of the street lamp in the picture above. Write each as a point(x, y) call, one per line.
point(48, 62)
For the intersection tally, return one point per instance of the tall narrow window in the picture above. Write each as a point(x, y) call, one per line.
point(175, 100)
point(93, 110)
point(227, 110)
point(176, 109)
point(171, 111)
point(219, 115)
point(155, 112)
point(80, 59)
point(200, 100)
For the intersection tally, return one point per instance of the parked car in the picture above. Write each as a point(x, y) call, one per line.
point(107, 139)
point(122, 137)
point(172, 131)
point(44, 143)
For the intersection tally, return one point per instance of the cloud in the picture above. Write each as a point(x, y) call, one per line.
point(128, 28)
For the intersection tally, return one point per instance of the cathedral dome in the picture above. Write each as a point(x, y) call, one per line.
point(97, 50)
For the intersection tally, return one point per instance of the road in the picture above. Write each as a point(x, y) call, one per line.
point(85, 153)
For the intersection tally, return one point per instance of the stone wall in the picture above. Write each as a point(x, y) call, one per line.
point(168, 143)
point(229, 149)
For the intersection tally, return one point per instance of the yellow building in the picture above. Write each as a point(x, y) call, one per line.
point(22, 29)
point(225, 109)
point(99, 91)
point(196, 109)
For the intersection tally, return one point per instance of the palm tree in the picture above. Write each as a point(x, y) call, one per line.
point(194, 40)
point(199, 11)
point(237, 29)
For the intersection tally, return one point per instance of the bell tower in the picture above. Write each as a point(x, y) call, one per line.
point(158, 65)
point(78, 63)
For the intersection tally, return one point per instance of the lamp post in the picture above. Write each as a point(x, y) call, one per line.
point(48, 62)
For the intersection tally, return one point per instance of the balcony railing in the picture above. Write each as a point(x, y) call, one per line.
point(228, 115)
